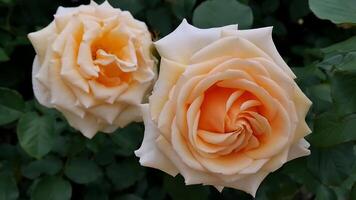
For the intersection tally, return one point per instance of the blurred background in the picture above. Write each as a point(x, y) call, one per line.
point(42, 158)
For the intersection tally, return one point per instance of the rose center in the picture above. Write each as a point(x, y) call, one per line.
point(115, 57)
point(233, 112)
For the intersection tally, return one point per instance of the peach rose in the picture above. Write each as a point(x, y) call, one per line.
point(225, 110)
point(94, 65)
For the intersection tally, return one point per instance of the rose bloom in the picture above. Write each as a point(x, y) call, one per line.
point(94, 65)
point(225, 110)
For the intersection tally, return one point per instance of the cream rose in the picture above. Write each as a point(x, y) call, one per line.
point(225, 110)
point(94, 65)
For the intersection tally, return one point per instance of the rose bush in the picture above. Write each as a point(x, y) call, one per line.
point(225, 110)
point(93, 64)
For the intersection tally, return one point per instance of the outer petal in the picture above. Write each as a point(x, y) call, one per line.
point(191, 176)
point(262, 37)
point(149, 153)
point(88, 125)
point(41, 91)
point(250, 183)
point(302, 105)
point(186, 40)
point(169, 73)
point(42, 39)
point(299, 149)
point(233, 46)
point(65, 10)
point(131, 113)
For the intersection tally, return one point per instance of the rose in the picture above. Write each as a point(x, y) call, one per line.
point(225, 110)
point(94, 65)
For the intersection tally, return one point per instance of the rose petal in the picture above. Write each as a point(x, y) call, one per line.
point(262, 38)
point(250, 183)
point(299, 149)
point(149, 153)
point(40, 90)
point(186, 40)
point(42, 39)
point(169, 73)
point(228, 46)
point(180, 146)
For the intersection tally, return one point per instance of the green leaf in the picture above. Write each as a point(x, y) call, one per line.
point(337, 11)
point(134, 6)
point(50, 166)
point(182, 8)
point(348, 63)
point(340, 61)
point(160, 20)
point(69, 145)
point(331, 62)
point(36, 134)
point(333, 165)
point(215, 13)
point(82, 170)
point(125, 174)
point(105, 156)
point(341, 47)
point(11, 106)
point(98, 190)
point(297, 170)
point(320, 95)
point(277, 186)
point(330, 129)
point(309, 75)
point(231, 194)
point(8, 187)
point(52, 188)
point(343, 91)
point(128, 197)
point(3, 56)
point(128, 139)
point(325, 193)
point(93, 193)
point(152, 3)
point(177, 189)
point(155, 193)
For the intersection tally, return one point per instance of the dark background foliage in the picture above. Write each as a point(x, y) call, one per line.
point(42, 158)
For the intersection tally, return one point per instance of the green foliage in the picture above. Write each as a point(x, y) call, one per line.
point(342, 90)
point(178, 190)
point(325, 193)
point(11, 106)
point(82, 170)
point(36, 134)
point(338, 11)
point(346, 46)
point(214, 13)
point(52, 188)
point(128, 139)
point(125, 173)
point(330, 129)
point(332, 166)
point(182, 8)
point(50, 165)
point(43, 158)
point(8, 188)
